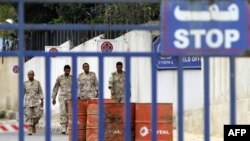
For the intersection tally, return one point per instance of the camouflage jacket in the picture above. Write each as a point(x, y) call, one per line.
point(62, 86)
point(117, 82)
point(87, 85)
point(33, 93)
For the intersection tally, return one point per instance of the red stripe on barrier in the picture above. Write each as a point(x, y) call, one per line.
point(26, 126)
point(3, 128)
point(11, 127)
point(15, 127)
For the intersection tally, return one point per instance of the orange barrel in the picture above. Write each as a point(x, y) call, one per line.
point(82, 116)
point(92, 119)
point(115, 121)
point(143, 122)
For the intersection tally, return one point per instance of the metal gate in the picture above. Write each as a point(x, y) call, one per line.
point(21, 53)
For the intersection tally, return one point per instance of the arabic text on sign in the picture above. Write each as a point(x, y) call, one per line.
point(213, 14)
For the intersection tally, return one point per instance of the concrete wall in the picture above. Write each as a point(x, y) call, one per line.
point(8, 84)
point(220, 97)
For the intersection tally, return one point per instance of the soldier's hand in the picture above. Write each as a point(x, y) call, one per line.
point(54, 101)
point(41, 104)
point(112, 92)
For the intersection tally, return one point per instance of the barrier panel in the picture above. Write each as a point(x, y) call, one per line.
point(140, 121)
point(143, 122)
point(83, 114)
point(115, 121)
point(87, 119)
point(82, 117)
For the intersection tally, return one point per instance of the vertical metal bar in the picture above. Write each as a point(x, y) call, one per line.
point(180, 99)
point(206, 99)
point(101, 106)
point(46, 38)
point(127, 102)
point(48, 106)
point(74, 103)
point(154, 98)
point(232, 91)
point(21, 66)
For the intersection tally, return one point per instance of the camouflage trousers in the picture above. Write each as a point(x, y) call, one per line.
point(63, 110)
point(120, 98)
point(89, 95)
point(32, 115)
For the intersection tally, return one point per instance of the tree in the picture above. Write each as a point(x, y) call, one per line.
point(71, 13)
point(91, 13)
point(84, 13)
point(130, 13)
point(39, 13)
point(56, 13)
point(8, 11)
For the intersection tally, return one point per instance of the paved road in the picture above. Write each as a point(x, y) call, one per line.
point(39, 136)
point(59, 137)
point(56, 136)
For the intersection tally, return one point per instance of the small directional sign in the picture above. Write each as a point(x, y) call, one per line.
point(171, 62)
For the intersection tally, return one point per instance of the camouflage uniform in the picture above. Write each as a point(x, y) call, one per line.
point(87, 85)
point(33, 93)
point(64, 83)
point(117, 82)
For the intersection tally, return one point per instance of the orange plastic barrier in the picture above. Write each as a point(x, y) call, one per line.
point(143, 129)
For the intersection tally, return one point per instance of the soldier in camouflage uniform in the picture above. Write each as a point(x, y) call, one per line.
point(117, 84)
point(87, 84)
point(63, 82)
point(33, 94)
